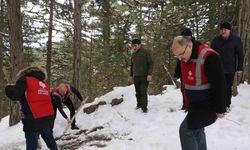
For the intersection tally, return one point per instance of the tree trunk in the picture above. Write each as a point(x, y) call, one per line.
point(1, 62)
point(140, 24)
point(16, 51)
point(49, 46)
point(1, 49)
point(243, 23)
point(243, 29)
point(106, 30)
point(77, 47)
point(90, 68)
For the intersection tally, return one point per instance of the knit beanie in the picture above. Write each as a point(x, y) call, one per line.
point(136, 41)
point(186, 32)
point(225, 25)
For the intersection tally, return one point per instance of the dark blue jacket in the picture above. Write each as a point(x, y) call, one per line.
point(231, 52)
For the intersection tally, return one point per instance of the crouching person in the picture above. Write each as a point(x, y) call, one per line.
point(33, 93)
point(61, 95)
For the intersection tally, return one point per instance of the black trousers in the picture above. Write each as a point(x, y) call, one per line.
point(141, 87)
point(32, 139)
point(71, 108)
point(229, 82)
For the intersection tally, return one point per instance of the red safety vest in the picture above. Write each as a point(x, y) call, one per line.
point(38, 97)
point(193, 74)
point(66, 96)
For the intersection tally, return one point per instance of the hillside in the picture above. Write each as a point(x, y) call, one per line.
point(122, 127)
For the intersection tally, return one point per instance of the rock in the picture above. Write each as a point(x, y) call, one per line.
point(116, 101)
point(102, 103)
point(91, 109)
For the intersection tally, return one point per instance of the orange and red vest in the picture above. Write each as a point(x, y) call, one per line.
point(66, 96)
point(38, 98)
point(196, 85)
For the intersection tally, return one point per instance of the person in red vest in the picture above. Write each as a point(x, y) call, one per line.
point(33, 93)
point(177, 73)
point(61, 95)
point(205, 87)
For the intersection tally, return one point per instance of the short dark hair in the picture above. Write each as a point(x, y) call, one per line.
point(186, 32)
point(136, 41)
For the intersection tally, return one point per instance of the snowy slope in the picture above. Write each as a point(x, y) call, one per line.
point(122, 127)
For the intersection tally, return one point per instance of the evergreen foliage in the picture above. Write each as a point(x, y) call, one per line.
point(107, 29)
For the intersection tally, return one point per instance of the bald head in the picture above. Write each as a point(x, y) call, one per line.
point(181, 46)
point(180, 41)
point(62, 88)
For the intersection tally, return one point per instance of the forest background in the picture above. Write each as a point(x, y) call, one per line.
point(87, 43)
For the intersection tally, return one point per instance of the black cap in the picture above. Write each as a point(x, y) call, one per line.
point(136, 41)
point(186, 32)
point(226, 25)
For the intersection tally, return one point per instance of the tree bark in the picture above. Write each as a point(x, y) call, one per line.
point(77, 47)
point(1, 62)
point(106, 34)
point(1, 48)
point(49, 44)
point(16, 51)
point(243, 29)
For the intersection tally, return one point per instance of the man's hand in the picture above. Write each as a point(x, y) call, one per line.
point(239, 73)
point(221, 115)
point(131, 79)
point(149, 78)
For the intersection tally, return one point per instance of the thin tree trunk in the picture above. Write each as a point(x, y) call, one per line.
point(77, 47)
point(90, 68)
point(1, 63)
point(1, 48)
point(49, 46)
point(243, 28)
point(106, 30)
point(16, 51)
point(140, 26)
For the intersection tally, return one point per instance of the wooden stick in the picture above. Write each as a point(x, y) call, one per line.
point(71, 120)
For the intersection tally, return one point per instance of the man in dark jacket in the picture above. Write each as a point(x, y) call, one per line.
point(61, 94)
point(231, 50)
point(205, 86)
point(38, 114)
point(141, 73)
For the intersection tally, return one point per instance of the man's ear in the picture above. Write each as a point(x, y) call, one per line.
point(190, 45)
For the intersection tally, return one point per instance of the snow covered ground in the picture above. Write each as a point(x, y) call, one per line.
point(125, 128)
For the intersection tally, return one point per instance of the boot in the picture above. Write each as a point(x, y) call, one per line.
point(145, 109)
point(74, 127)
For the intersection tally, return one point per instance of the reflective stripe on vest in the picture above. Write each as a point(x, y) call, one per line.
point(198, 84)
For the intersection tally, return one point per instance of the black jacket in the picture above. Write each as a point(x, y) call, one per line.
point(231, 51)
point(17, 93)
point(201, 115)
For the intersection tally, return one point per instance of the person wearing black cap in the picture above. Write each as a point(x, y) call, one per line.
point(141, 73)
point(186, 32)
point(230, 48)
